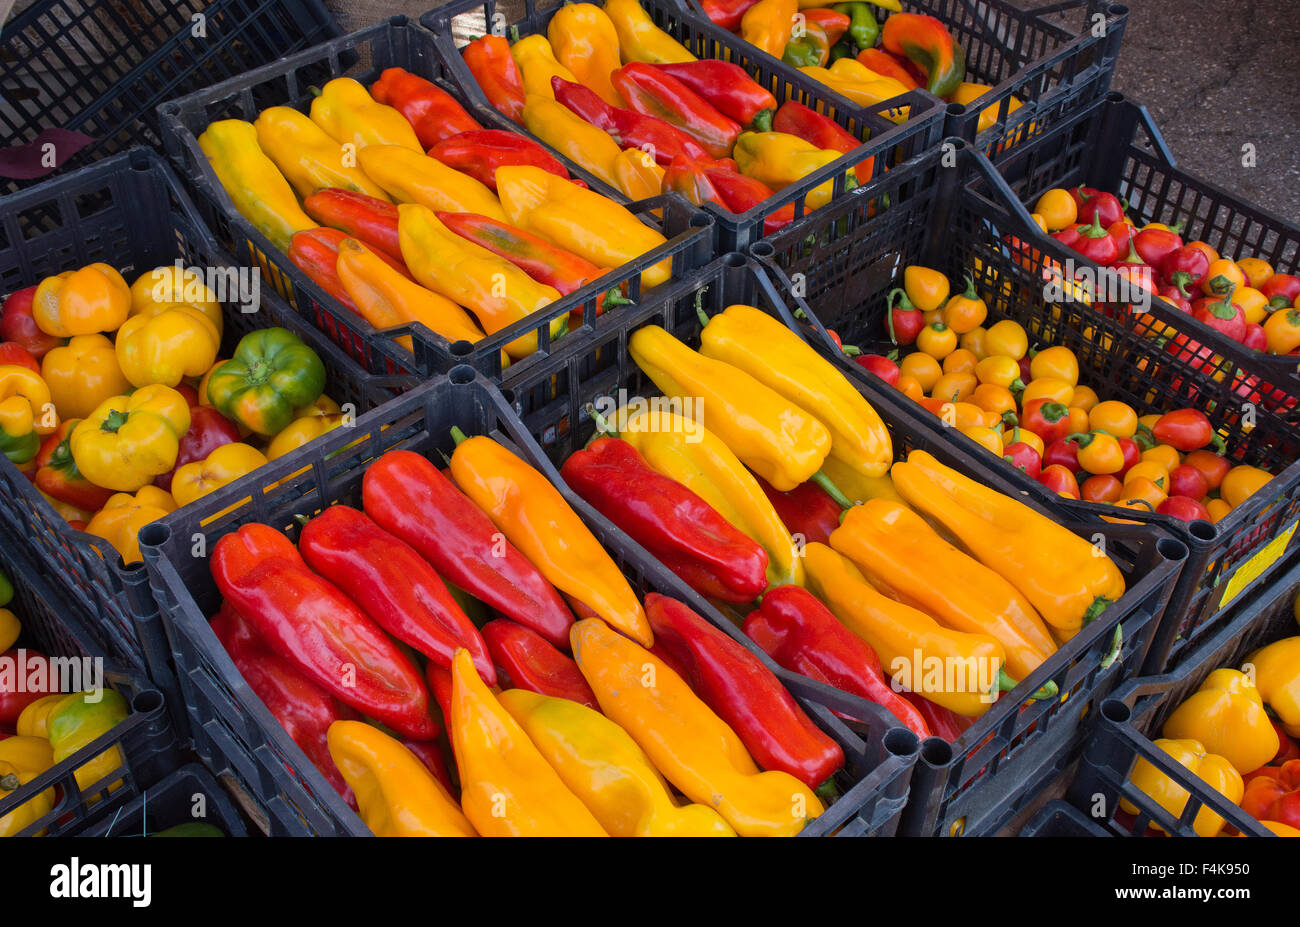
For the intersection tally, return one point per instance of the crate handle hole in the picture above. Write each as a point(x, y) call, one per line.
point(1112, 709)
point(462, 348)
point(899, 741)
point(1171, 549)
point(936, 751)
point(762, 249)
point(461, 375)
point(154, 535)
point(1204, 530)
point(147, 701)
point(734, 259)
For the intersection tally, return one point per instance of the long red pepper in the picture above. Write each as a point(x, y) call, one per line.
point(667, 519)
point(368, 219)
point(628, 128)
point(729, 88)
point(806, 510)
point(479, 153)
point(409, 497)
point(741, 193)
point(726, 13)
point(796, 630)
point(316, 252)
point(430, 754)
point(489, 60)
point(793, 118)
point(652, 92)
point(393, 584)
point(529, 662)
point(744, 693)
point(433, 112)
point(943, 722)
point(304, 709)
point(690, 178)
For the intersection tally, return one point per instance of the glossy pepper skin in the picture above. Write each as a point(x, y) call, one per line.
point(18, 324)
point(22, 759)
point(768, 24)
point(802, 635)
point(370, 220)
point(489, 60)
point(686, 741)
point(310, 622)
point(252, 181)
point(771, 435)
point(586, 41)
point(886, 65)
point(568, 133)
point(925, 41)
point(409, 497)
point(414, 177)
point(639, 39)
point(669, 520)
point(605, 768)
point(729, 88)
point(349, 114)
point(129, 440)
point(178, 342)
point(1277, 678)
point(308, 157)
point(806, 510)
point(741, 193)
point(527, 661)
point(480, 152)
point(1215, 771)
point(744, 693)
point(1273, 794)
point(223, 466)
point(778, 160)
point(628, 128)
point(123, 515)
point(271, 374)
point(535, 517)
point(396, 795)
point(1226, 714)
point(863, 26)
point(433, 112)
point(58, 477)
point(860, 85)
point(1057, 571)
point(393, 584)
point(78, 721)
point(85, 301)
point(810, 49)
point(507, 787)
point(908, 561)
point(726, 13)
point(793, 118)
point(654, 92)
point(537, 65)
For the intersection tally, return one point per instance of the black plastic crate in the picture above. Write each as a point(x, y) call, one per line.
point(889, 143)
point(1059, 818)
point(1133, 716)
point(363, 55)
point(1053, 60)
point(100, 67)
point(59, 628)
point(188, 796)
point(128, 211)
point(234, 733)
point(965, 218)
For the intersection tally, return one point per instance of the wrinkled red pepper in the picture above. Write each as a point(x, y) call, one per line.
point(806, 510)
point(57, 475)
point(433, 113)
point(729, 88)
point(528, 662)
point(369, 220)
point(628, 128)
point(489, 60)
point(652, 92)
point(479, 153)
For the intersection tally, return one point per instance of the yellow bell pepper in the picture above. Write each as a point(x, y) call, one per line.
point(26, 412)
point(123, 515)
point(128, 440)
point(35, 718)
point(22, 759)
point(586, 42)
point(639, 39)
point(1227, 715)
point(775, 438)
point(413, 177)
point(309, 158)
point(1277, 679)
point(695, 749)
point(637, 175)
point(572, 136)
point(864, 88)
point(80, 719)
point(1215, 771)
point(177, 342)
point(605, 768)
point(496, 291)
point(967, 93)
point(507, 787)
point(578, 220)
point(82, 374)
point(10, 628)
point(220, 468)
point(81, 302)
point(347, 113)
point(537, 65)
point(779, 159)
point(767, 25)
point(396, 795)
point(304, 429)
point(165, 286)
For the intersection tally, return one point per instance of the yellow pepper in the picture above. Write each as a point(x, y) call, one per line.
point(1277, 679)
point(778, 160)
point(572, 136)
point(579, 220)
point(309, 158)
point(861, 87)
point(220, 468)
point(496, 291)
point(22, 759)
point(123, 515)
point(82, 374)
point(537, 65)
point(1213, 770)
point(603, 766)
point(165, 286)
point(255, 185)
point(80, 719)
point(586, 42)
point(639, 39)
point(767, 25)
point(177, 342)
point(396, 795)
point(414, 177)
point(35, 718)
point(1242, 482)
point(967, 93)
point(857, 487)
point(26, 412)
point(81, 302)
point(304, 429)
point(637, 175)
point(927, 288)
point(695, 749)
point(347, 113)
point(10, 628)
point(507, 787)
point(128, 440)
point(775, 438)
point(1227, 715)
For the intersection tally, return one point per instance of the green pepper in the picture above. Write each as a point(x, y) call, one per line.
point(271, 374)
point(844, 48)
point(6, 590)
point(863, 25)
point(19, 448)
point(191, 829)
point(810, 50)
point(77, 721)
point(926, 42)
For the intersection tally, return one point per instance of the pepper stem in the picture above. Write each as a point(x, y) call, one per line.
point(458, 436)
point(603, 425)
point(9, 782)
point(113, 421)
point(850, 350)
point(825, 482)
point(762, 121)
point(828, 791)
point(971, 292)
point(1116, 644)
point(699, 306)
point(1098, 606)
point(614, 297)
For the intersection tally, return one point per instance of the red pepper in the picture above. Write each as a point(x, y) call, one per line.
point(905, 320)
point(304, 709)
point(393, 584)
point(796, 630)
point(628, 128)
point(741, 193)
point(886, 65)
point(1288, 749)
point(793, 118)
point(653, 92)
point(1183, 508)
point(878, 364)
point(726, 13)
point(1023, 457)
point(430, 754)
point(1176, 297)
point(369, 220)
point(1281, 290)
point(18, 324)
point(1062, 453)
point(1094, 204)
point(315, 252)
point(432, 112)
point(744, 693)
point(1273, 794)
point(310, 622)
point(11, 352)
point(1091, 240)
point(1123, 232)
point(408, 496)
point(1185, 268)
point(1046, 418)
point(1132, 455)
point(480, 152)
point(729, 88)
point(1156, 244)
point(1255, 337)
point(1222, 315)
point(805, 510)
point(15, 694)
point(208, 430)
point(926, 42)
point(943, 722)
point(529, 662)
point(1185, 430)
point(670, 521)
point(689, 177)
point(1059, 480)
point(57, 475)
point(489, 60)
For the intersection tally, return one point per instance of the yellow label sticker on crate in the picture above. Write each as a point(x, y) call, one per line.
point(1251, 570)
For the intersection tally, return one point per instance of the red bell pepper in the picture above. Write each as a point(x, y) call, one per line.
point(1091, 240)
point(670, 521)
point(304, 709)
point(15, 695)
point(806, 510)
point(741, 193)
point(628, 128)
point(433, 112)
point(796, 630)
point(409, 497)
point(430, 754)
point(529, 662)
point(745, 694)
point(1096, 205)
point(944, 722)
point(886, 65)
point(369, 220)
point(1222, 315)
point(480, 152)
point(1185, 268)
point(1282, 290)
point(1273, 794)
point(793, 118)
point(729, 88)
point(489, 60)
point(393, 584)
point(208, 430)
point(726, 13)
point(58, 477)
point(11, 352)
point(18, 324)
point(653, 92)
point(320, 630)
